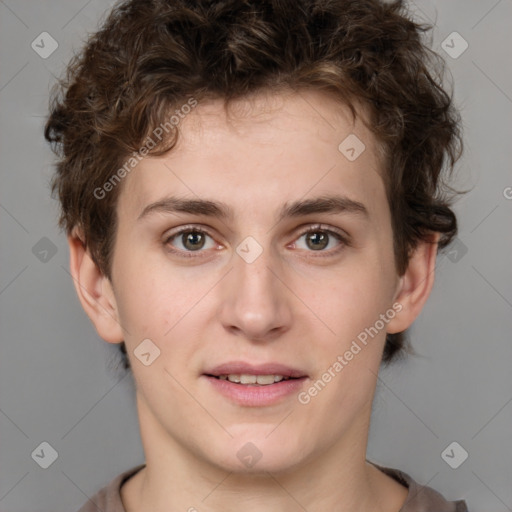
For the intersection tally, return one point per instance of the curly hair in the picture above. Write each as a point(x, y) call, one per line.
point(151, 56)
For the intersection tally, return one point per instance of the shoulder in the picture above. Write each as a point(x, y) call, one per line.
point(421, 498)
point(108, 499)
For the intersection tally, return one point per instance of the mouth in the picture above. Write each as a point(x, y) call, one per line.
point(246, 379)
point(255, 385)
point(264, 374)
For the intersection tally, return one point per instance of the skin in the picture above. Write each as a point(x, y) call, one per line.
point(294, 304)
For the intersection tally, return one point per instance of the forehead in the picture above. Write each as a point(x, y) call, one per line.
point(263, 150)
point(292, 116)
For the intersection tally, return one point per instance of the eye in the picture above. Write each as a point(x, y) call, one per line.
point(318, 238)
point(190, 239)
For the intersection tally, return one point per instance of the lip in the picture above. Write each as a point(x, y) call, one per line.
point(240, 367)
point(249, 395)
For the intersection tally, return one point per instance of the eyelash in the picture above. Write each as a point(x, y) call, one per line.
point(344, 240)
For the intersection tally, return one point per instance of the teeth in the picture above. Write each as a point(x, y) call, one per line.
point(253, 379)
point(244, 379)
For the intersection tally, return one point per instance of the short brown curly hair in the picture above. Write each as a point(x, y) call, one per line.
point(151, 56)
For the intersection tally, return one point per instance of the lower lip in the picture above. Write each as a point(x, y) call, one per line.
point(254, 395)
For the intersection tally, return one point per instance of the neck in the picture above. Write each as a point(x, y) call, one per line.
point(338, 479)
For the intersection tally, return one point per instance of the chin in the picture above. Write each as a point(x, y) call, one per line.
point(258, 454)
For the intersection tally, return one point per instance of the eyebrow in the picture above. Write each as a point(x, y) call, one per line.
point(324, 204)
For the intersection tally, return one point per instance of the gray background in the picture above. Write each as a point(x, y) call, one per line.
point(58, 379)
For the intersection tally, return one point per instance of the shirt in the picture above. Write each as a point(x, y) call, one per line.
point(419, 498)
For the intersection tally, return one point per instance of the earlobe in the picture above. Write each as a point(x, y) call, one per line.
point(415, 285)
point(94, 290)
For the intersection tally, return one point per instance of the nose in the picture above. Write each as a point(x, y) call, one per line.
point(255, 301)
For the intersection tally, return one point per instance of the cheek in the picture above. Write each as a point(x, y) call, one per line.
point(352, 355)
point(164, 308)
point(356, 298)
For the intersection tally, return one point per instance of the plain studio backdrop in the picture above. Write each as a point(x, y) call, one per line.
point(58, 380)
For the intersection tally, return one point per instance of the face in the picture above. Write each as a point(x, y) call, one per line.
point(282, 272)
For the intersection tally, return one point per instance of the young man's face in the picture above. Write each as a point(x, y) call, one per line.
point(255, 289)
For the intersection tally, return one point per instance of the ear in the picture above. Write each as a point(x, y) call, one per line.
point(94, 290)
point(415, 285)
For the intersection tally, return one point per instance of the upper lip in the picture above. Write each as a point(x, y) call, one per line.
point(241, 368)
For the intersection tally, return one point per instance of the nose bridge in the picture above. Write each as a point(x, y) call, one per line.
point(255, 271)
point(255, 301)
